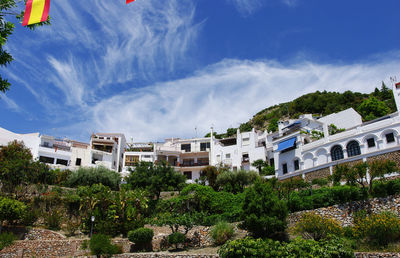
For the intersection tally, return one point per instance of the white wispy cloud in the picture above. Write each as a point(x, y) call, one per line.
point(10, 104)
point(225, 94)
point(247, 7)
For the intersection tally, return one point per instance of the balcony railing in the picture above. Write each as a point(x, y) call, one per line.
point(198, 164)
point(54, 147)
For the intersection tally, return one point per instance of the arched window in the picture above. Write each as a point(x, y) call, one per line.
point(353, 149)
point(336, 152)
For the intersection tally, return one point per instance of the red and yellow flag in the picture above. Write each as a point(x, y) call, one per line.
point(129, 1)
point(36, 11)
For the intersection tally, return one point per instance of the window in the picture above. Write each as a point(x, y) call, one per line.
point(353, 149)
point(131, 160)
point(204, 146)
point(188, 174)
point(296, 165)
point(45, 159)
point(245, 157)
point(185, 147)
point(336, 152)
point(272, 162)
point(246, 141)
point(46, 144)
point(389, 137)
point(371, 142)
point(228, 156)
point(284, 168)
point(62, 162)
point(235, 169)
point(78, 162)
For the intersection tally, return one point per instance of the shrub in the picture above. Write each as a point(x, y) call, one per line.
point(299, 247)
point(176, 239)
point(378, 229)
point(71, 227)
point(91, 176)
point(222, 232)
point(316, 226)
point(320, 181)
point(101, 244)
point(6, 239)
point(29, 217)
point(142, 238)
point(53, 220)
point(10, 210)
point(249, 247)
point(264, 214)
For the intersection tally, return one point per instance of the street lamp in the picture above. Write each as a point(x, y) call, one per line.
point(91, 228)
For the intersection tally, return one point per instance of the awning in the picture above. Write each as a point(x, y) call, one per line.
point(289, 143)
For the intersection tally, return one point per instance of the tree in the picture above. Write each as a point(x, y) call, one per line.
point(273, 125)
point(91, 176)
point(264, 215)
point(379, 168)
point(10, 210)
point(259, 164)
point(155, 178)
point(373, 108)
point(210, 174)
point(7, 8)
point(236, 181)
point(17, 167)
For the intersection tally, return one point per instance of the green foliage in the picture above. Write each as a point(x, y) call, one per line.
point(97, 175)
point(385, 188)
point(101, 244)
point(222, 232)
point(245, 127)
point(373, 108)
point(299, 247)
point(52, 220)
point(378, 229)
point(332, 129)
point(141, 235)
point(17, 167)
point(320, 181)
point(236, 181)
point(264, 214)
point(210, 174)
point(378, 168)
point(10, 210)
point(317, 227)
point(155, 178)
point(273, 125)
point(215, 206)
point(268, 171)
point(259, 164)
point(176, 239)
point(6, 239)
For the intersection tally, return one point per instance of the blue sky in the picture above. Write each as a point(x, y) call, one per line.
point(155, 69)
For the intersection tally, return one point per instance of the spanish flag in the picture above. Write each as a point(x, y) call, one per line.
point(36, 11)
point(129, 1)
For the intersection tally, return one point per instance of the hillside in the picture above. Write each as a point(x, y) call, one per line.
point(370, 106)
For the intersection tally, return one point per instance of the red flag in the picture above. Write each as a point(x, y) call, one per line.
point(129, 1)
point(36, 11)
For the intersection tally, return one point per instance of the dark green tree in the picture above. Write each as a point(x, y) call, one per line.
point(273, 125)
point(373, 108)
point(259, 164)
point(264, 215)
point(155, 178)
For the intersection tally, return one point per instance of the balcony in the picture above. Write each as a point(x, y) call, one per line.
point(198, 164)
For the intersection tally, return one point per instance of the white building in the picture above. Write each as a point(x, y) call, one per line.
point(30, 140)
point(137, 152)
point(55, 152)
point(107, 149)
point(240, 151)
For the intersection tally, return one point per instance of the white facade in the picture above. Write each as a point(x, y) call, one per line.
point(80, 155)
point(30, 140)
point(107, 149)
point(240, 151)
point(54, 152)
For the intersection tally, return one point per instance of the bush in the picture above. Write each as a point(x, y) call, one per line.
point(53, 220)
point(264, 214)
point(29, 217)
point(91, 176)
point(320, 181)
point(142, 238)
point(299, 247)
point(176, 239)
point(378, 229)
point(222, 232)
point(6, 239)
point(101, 245)
point(317, 227)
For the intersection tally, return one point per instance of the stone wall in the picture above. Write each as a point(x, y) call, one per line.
point(343, 212)
point(320, 173)
point(394, 156)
